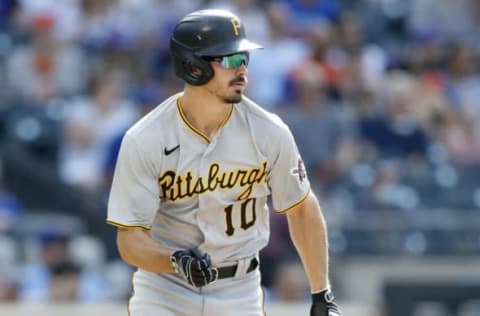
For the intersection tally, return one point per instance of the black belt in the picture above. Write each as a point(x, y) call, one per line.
point(229, 271)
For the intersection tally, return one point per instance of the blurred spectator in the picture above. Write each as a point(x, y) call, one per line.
point(383, 21)
point(147, 98)
point(448, 19)
point(358, 87)
point(95, 23)
point(11, 211)
point(91, 124)
point(463, 80)
point(66, 15)
point(387, 191)
point(306, 14)
point(8, 287)
point(65, 282)
point(432, 110)
point(291, 283)
point(279, 248)
point(396, 131)
point(111, 31)
point(44, 68)
point(350, 32)
point(55, 277)
point(424, 58)
point(8, 8)
point(269, 68)
point(460, 135)
point(319, 125)
point(324, 57)
point(117, 32)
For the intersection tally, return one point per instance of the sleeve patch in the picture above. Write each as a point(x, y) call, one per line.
point(299, 171)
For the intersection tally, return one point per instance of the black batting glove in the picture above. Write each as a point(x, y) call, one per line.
point(194, 267)
point(323, 304)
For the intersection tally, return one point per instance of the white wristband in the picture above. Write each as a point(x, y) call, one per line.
point(318, 291)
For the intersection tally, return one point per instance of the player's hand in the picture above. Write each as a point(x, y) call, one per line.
point(323, 304)
point(197, 269)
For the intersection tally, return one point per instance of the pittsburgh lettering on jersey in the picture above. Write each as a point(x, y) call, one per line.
point(175, 186)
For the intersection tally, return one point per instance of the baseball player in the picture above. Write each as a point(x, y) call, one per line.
point(189, 194)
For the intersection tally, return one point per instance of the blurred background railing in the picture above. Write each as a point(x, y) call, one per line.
point(383, 97)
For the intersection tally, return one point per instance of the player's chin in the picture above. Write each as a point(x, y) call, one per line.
point(237, 92)
point(234, 97)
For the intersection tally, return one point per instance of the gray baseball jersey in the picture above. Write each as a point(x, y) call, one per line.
point(189, 190)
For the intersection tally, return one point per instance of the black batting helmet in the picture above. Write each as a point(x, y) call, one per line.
point(206, 33)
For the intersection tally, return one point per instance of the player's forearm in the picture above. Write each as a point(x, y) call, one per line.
point(308, 232)
point(138, 249)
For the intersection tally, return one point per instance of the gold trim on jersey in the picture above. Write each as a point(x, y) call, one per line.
point(175, 186)
point(194, 129)
point(227, 117)
point(296, 204)
point(127, 226)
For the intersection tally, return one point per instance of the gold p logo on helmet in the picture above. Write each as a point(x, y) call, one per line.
point(236, 26)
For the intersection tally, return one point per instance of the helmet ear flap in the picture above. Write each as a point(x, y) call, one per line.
point(198, 73)
point(193, 69)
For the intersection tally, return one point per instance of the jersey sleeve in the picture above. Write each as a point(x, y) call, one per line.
point(287, 179)
point(134, 196)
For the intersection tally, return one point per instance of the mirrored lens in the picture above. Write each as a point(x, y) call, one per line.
point(234, 61)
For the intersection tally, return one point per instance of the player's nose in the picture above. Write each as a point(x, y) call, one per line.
point(242, 69)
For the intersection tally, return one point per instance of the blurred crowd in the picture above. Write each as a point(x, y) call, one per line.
point(383, 97)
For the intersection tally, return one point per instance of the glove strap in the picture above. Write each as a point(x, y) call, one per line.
point(174, 263)
point(325, 296)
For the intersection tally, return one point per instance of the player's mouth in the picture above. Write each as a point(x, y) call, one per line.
point(239, 82)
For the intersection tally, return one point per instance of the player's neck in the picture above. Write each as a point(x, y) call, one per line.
point(205, 113)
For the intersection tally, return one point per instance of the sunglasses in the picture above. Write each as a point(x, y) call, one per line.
point(231, 61)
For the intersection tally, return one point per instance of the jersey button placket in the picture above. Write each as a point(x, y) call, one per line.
point(206, 160)
point(203, 171)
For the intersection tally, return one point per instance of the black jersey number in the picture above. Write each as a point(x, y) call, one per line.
point(248, 215)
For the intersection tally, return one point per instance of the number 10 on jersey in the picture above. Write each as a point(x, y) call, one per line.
point(248, 215)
